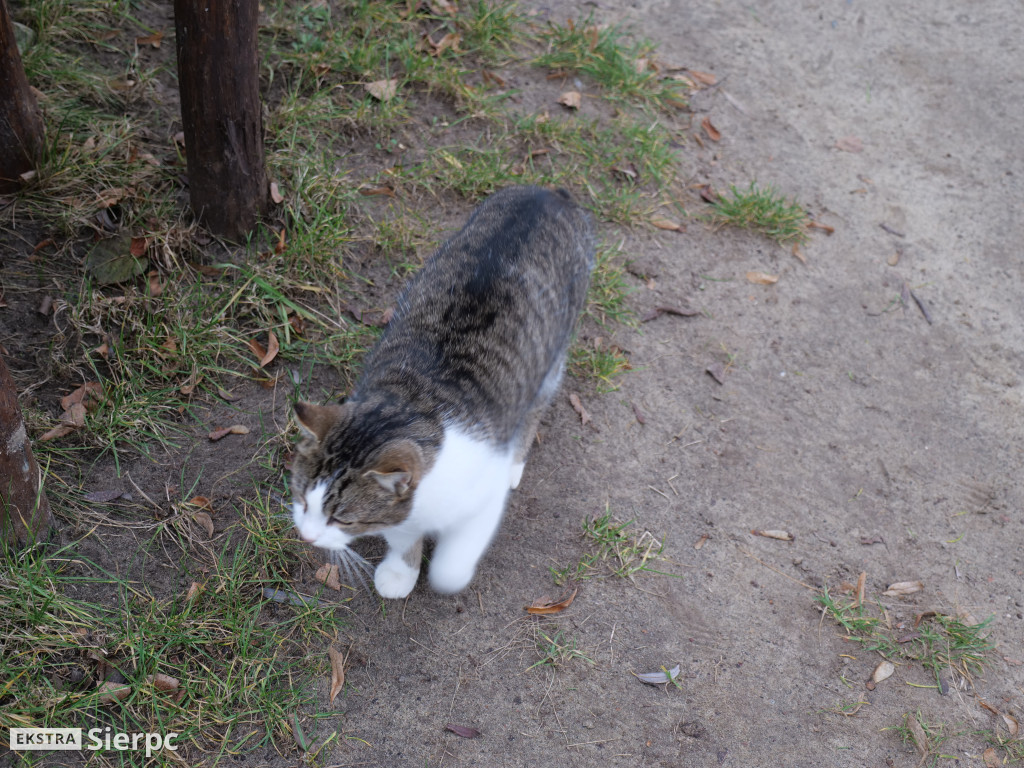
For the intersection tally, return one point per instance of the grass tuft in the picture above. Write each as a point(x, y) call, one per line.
point(616, 549)
point(762, 210)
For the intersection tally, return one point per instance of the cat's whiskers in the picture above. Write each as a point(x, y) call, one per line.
point(355, 565)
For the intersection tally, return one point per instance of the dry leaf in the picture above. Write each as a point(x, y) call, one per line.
point(893, 260)
point(491, 77)
point(89, 394)
point(193, 590)
point(637, 413)
point(702, 77)
point(780, 535)
point(661, 222)
point(155, 39)
point(544, 606)
point(658, 678)
point(111, 692)
point(571, 99)
point(828, 230)
point(204, 520)
point(382, 90)
point(234, 429)
point(257, 349)
point(337, 669)
point(1011, 725)
point(56, 432)
point(155, 286)
point(708, 194)
point(850, 144)
point(882, 672)
point(462, 730)
point(798, 254)
point(298, 735)
point(163, 682)
point(903, 588)
point(381, 189)
point(918, 735)
point(451, 40)
point(713, 133)
point(439, 7)
point(762, 278)
point(275, 193)
point(577, 406)
point(861, 582)
point(272, 350)
point(678, 311)
point(991, 758)
point(329, 575)
point(717, 372)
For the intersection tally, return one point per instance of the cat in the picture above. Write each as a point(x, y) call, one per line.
point(436, 432)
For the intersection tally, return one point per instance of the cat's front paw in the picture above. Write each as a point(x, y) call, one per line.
point(394, 580)
point(449, 578)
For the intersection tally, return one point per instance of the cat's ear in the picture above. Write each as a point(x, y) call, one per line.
point(315, 421)
point(398, 468)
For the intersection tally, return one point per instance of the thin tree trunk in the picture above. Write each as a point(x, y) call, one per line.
point(24, 512)
point(21, 124)
point(218, 76)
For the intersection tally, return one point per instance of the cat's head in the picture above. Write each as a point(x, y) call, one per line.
point(345, 483)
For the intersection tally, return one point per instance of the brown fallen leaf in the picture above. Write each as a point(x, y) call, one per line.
point(337, 670)
point(893, 259)
point(908, 638)
point(922, 616)
point(89, 394)
point(702, 77)
point(544, 606)
point(917, 736)
point(491, 77)
point(662, 222)
point(850, 144)
point(202, 503)
point(275, 193)
point(708, 194)
point(637, 413)
point(713, 133)
point(678, 311)
point(903, 588)
point(163, 682)
point(451, 40)
point(780, 535)
point(382, 90)
point(762, 278)
point(59, 431)
point(861, 582)
point(699, 544)
point(462, 730)
point(111, 692)
point(272, 349)
point(1011, 725)
point(155, 39)
point(193, 590)
point(381, 189)
point(446, 7)
point(257, 349)
point(991, 758)
point(571, 99)
point(717, 372)
point(577, 405)
point(882, 672)
point(824, 227)
point(799, 254)
point(234, 429)
point(206, 521)
point(329, 575)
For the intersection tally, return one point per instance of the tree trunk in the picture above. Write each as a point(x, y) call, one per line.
point(21, 124)
point(218, 76)
point(24, 512)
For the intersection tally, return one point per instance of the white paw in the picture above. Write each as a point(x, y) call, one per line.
point(394, 580)
point(449, 578)
point(517, 474)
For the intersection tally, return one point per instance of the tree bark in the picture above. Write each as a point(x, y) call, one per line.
point(21, 124)
point(24, 511)
point(218, 76)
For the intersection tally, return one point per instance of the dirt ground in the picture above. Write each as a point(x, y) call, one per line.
point(884, 442)
point(843, 418)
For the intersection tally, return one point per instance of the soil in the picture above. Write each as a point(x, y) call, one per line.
point(884, 435)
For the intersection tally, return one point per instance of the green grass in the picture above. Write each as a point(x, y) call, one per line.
point(943, 645)
point(598, 364)
point(620, 66)
point(615, 548)
point(555, 648)
point(244, 664)
point(762, 210)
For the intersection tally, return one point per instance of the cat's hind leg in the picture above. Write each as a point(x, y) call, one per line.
point(528, 433)
point(397, 573)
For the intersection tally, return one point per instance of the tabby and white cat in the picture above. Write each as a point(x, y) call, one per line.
point(438, 427)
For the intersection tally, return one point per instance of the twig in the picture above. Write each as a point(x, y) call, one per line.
point(922, 307)
point(890, 230)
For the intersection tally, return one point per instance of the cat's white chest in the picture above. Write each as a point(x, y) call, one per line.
point(470, 477)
